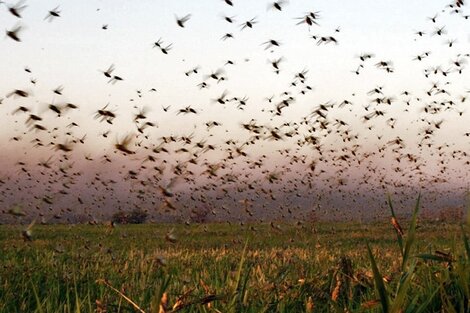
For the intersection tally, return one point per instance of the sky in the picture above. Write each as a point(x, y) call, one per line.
point(73, 51)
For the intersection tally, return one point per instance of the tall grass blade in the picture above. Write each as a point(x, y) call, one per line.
point(104, 282)
point(423, 306)
point(159, 294)
point(379, 284)
point(399, 235)
point(235, 304)
point(38, 301)
point(77, 296)
point(465, 242)
point(404, 285)
point(411, 234)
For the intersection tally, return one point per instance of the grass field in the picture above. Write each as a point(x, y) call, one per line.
point(233, 268)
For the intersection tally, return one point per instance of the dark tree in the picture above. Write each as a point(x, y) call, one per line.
point(136, 216)
point(120, 217)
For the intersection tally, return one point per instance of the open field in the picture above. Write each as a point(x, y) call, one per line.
point(206, 268)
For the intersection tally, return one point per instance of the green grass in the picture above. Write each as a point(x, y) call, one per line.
point(230, 268)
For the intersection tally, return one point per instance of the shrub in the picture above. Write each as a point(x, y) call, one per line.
point(136, 216)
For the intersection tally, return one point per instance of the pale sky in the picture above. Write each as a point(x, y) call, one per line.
point(73, 50)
